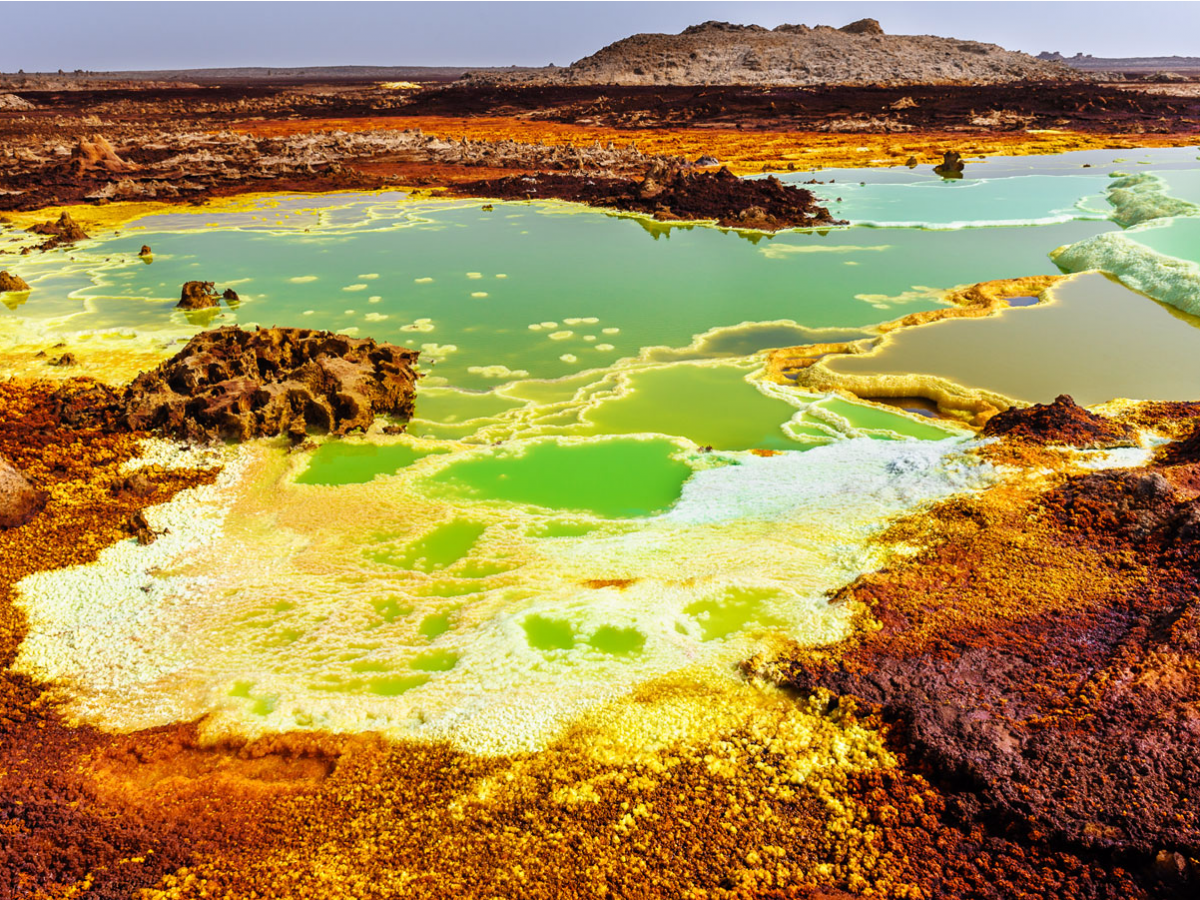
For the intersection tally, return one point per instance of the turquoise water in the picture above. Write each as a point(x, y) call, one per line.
point(976, 202)
point(524, 290)
point(598, 487)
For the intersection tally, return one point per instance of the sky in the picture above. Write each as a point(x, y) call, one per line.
point(103, 35)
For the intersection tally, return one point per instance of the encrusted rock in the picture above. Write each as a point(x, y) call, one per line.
point(12, 283)
point(198, 295)
point(863, 26)
point(64, 231)
point(98, 153)
point(1183, 451)
point(237, 384)
point(951, 165)
point(20, 501)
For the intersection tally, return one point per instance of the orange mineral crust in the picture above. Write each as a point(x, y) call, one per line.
point(743, 151)
point(55, 837)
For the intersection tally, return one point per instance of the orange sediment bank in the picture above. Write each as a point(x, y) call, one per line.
point(743, 151)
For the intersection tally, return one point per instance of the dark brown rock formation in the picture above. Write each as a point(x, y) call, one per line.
point(12, 283)
point(237, 384)
point(198, 295)
point(951, 165)
point(145, 251)
point(231, 298)
point(673, 194)
point(64, 231)
point(1060, 422)
point(19, 500)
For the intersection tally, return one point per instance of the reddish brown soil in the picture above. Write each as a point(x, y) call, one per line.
point(1060, 422)
point(799, 127)
point(1038, 664)
point(53, 831)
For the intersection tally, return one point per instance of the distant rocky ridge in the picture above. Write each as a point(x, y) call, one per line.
point(1085, 62)
point(81, 80)
point(858, 53)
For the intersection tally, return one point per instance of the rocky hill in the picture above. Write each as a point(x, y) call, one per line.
point(859, 53)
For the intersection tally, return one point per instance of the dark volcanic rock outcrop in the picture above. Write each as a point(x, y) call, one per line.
point(237, 384)
point(673, 194)
point(20, 501)
point(1060, 422)
point(12, 283)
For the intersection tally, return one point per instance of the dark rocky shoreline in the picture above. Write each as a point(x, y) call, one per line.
point(671, 194)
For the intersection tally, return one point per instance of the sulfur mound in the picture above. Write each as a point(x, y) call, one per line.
point(1060, 422)
point(672, 194)
point(19, 500)
point(237, 384)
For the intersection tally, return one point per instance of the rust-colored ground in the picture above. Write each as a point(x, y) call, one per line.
point(1012, 719)
point(742, 151)
point(54, 832)
point(1038, 662)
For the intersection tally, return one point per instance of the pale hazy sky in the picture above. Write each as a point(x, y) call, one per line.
point(102, 35)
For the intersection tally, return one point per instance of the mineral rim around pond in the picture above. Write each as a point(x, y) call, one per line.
point(572, 554)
